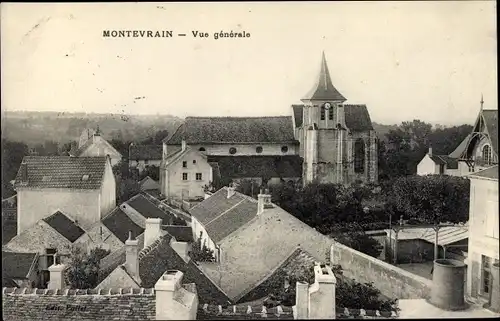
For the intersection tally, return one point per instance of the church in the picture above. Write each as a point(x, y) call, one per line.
point(324, 140)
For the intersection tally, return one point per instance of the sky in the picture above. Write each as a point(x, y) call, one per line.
point(405, 60)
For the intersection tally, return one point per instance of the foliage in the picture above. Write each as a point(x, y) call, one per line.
point(248, 187)
point(404, 146)
point(126, 188)
point(151, 171)
point(433, 199)
point(200, 252)
point(12, 155)
point(348, 293)
point(355, 237)
point(83, 268)
point(121, 169)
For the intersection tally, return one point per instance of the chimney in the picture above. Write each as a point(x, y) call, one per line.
point(264, 201)
point(322, 293)
point(24, 172)
point(301, 301)
point(152, 231)
point(183, 145)
point(168, 307)
point(132, 257)
point(56, 276)
point(230, 191)
point(430, 151)
point(164, 151)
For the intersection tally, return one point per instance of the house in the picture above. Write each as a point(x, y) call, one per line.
point(484, 246)
point(149, 184)
point(479, 149)
point(185, 174)
point(141, 267)
point(335, 142)
point(83, 188)
point(141, 156)
point(96, 146)
point(19, 269)
point(433, 164)
point(240, 230)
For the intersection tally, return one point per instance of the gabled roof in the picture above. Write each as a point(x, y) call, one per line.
point(491, 120)
point(62, 172)
point(149, 210)
point(120, 225)
point(222, 216)
point(258, 166)
point(460, 148)
point(200, 130)
point(451, 163)
point(357, 117)
point(90, 142)
point(491, 173)
point(298, 261)
point(323, 88)
point(163, 258)
point(486, 122)
point(181, 233)
point(64, 226)
point(18, 265)
point(149, 152)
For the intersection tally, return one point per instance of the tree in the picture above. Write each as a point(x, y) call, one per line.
point(83, 268)
point(248, 187)
point(433, 199)
point(152, 171)
point(126, 188)
point(12, 155)
point(200, 252)
point(121, 169)
point(358, 240)
point(159, 136)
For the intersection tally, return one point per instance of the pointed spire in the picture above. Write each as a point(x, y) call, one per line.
point(324, 89)
point(482, 101)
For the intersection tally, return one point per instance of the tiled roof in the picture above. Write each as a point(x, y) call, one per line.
point(181, 233)
point(64, 226)
point(120, 224)
point(163, 258)
point(149, 152)
point(491, 172)
point(197, 130)
point(17, 265)
point(258, 166)
point(491, 120)
point(323, 88)
point(63, 172)
point(451, 163)
point(357, 117)
point(295, 264)
point(149, 210)
point(222, 216)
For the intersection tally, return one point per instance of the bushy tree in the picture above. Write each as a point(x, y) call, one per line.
point(356, 238)
point(151, 171)
point(126, 188)
point(200, 252)
point(12, 155)
point(121, 169)
point(83, 268)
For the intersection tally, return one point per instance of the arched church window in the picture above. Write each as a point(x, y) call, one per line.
point(232, 150)
point(486, 154)
point(322, 112)
point(359, 156)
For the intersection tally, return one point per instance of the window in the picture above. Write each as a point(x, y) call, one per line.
point(194, 161)
point(491, 220)
point(258, 149)
point(184, 176)
point(330, 114)
point(486, 274)
point(441, 169)
point(322, 112)
point(146, 162)
point(486, 154)
point(198, 176)
point(184, 164)
point(284, 149)
point(232, 150)
point(50, 256)
point(202, 149)
point(359, 156)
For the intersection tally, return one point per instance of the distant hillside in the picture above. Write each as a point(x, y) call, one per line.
point(37, 127)
point(381, 129)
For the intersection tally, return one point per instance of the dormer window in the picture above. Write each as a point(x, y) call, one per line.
point(85, 177)
point(284, 149)
point(232, 150)
point(258, 149)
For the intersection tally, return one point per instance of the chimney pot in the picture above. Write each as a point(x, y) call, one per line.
point(230, 191)
point(430, 151)
point(132, 257)
point(24, 172)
